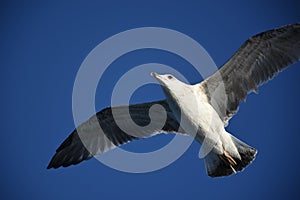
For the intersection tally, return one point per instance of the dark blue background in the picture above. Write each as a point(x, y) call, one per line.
point(43, 44)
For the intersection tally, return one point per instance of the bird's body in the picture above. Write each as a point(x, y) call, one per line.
point(201, 111)
point(192, 109)
point(199, 119)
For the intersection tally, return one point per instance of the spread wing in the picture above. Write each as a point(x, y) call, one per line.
point(116, 129)
point(258, 60)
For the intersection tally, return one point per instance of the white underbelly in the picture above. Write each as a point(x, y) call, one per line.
point(199, 120)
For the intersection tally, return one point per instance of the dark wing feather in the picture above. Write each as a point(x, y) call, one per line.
point(88, 139)
point(258, 60)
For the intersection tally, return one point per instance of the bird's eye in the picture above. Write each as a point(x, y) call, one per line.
point(170, 77)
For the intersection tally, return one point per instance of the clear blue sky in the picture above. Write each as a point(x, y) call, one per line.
point(43, 44)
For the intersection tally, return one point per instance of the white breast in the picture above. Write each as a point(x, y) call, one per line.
point(197, 117)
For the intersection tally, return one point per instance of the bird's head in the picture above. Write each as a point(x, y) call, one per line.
point(172, 87)
point(168, 81)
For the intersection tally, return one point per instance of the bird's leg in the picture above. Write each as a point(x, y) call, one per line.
point(229, 158)
point(226, 157)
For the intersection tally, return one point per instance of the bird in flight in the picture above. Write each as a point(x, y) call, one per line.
point(202, 110)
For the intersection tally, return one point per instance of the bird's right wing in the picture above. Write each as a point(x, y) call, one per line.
point(258, 60)
point(114, 126)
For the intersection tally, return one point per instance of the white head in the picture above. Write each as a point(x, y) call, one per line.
point(173, 88)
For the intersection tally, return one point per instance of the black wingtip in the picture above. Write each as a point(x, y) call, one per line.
point(53, 163)
point(50, 165)
point(71, 152)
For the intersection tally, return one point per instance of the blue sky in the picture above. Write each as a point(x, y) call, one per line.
point(42, 47)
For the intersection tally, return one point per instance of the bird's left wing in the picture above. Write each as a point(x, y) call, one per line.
point(112, 127)
point(258, 60)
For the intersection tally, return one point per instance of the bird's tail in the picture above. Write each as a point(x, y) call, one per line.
point(225, 164)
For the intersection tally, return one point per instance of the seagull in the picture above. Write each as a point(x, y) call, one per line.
point(202, 110)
